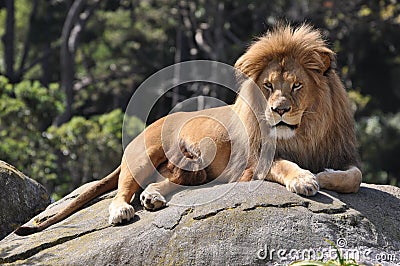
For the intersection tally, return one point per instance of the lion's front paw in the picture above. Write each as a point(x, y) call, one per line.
point(152, 200)
point(305, 184)
point(120, 211)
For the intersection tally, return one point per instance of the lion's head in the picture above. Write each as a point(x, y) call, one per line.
point(306, 104)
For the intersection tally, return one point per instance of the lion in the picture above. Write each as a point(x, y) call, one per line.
point(292, 101)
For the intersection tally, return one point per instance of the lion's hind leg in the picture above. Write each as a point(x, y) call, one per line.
point(153, 197)
point(347, 181)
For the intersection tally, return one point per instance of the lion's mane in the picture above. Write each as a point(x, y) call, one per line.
point(326, 137)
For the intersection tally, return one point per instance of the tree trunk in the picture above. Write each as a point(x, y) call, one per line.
point(8, 41)
point(72, 29)
point(27, 42)
point(67, 59)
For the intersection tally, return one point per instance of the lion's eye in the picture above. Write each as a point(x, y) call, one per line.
point(296, 86)
point(268, 86)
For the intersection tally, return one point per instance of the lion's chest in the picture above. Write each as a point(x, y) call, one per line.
point(303, 154)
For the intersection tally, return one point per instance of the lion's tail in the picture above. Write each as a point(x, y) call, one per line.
point(106, 184)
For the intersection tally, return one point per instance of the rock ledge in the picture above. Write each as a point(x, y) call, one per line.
point(254, 223)
point(20, 198)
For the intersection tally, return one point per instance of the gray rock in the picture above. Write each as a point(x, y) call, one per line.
point(21, 198)
point(254, 223)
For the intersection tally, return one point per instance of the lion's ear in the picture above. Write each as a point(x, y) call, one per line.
point(248, 65)
point(326, 61)
point(242, 65)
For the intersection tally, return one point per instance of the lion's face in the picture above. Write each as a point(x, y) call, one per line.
point(286, 86)
point(291, 66)
point(304, 101)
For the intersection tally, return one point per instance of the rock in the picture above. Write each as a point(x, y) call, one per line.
point(254, 223)
point(21, 198)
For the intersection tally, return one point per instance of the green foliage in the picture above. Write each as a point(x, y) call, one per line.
point(126, 45)
point(124, 42)
point(25, 109)
point(380, 146)
point(61, 158)
point(327, 263)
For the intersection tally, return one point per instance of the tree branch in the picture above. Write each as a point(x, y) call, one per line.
point(27, 41)
point(73, 27)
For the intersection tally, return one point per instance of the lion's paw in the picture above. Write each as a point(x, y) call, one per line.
point(120, 212)
point(304, 184)
point(152, 200)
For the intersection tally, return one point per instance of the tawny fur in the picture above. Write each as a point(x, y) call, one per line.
point(326, 138)
point(317, 131)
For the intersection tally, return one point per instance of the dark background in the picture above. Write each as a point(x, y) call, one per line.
point(68, 69)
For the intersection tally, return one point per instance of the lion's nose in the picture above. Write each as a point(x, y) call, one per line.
point(281, 110)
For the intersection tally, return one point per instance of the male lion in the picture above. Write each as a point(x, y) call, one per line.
point(298, 101)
